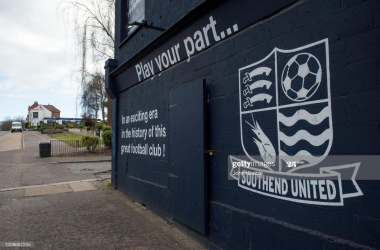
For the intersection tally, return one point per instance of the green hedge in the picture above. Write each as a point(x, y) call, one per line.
point(107, 137)
point(90, 142)
point(99, 126)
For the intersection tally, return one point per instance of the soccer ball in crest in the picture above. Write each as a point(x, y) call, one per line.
point(301, 77)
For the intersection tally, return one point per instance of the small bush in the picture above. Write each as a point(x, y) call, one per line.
point(106, 128)
point(49, 131)
point(99, 126)
point(80, 126)
point(69, 125)
point(107, 137)
point(91, 142)
point(58, 126)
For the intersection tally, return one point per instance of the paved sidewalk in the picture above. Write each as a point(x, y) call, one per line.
point(24, 167)
point(57, 203)
point(77, 219)
point(81, 159)
point(11, 141)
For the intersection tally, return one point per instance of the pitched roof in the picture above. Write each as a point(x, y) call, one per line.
point(52, 108)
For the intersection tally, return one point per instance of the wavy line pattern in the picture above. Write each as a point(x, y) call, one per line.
point(315, 140)
point(302, 155)
point(302, 114)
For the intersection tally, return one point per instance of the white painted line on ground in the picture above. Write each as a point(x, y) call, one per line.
point(45, 185)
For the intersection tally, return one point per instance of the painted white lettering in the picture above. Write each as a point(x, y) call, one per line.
point(284, 187)
point(212, 25)
point(158, 62)
point(277, 185)
point(142, 70)
point(187, 41)
point(150, 65)
point(271, 178)
point(138, 71)
point(243, 180)
point(166, 62)
point(294, 187)
point(265, 183)
point(322, 189)
point(249, 179)
point(174, 60)
point(146, 69)
point(314, 184)
point(199, 43)
point(254, 181)
point(302, 188)
point(205, 29)
point(331, 190)
point(176, 51)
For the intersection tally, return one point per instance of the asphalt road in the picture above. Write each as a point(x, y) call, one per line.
point(3, 133)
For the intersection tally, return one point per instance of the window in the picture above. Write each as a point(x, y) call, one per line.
point(35, 114)
point(135, 12)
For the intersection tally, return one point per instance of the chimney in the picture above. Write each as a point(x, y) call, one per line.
point(36, 102)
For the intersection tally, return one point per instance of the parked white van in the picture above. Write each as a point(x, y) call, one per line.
point(16, 126)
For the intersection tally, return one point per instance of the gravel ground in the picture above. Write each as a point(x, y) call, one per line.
point(103, 184)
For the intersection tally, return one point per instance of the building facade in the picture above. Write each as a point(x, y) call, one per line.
point(38, 112)
point(254, 124)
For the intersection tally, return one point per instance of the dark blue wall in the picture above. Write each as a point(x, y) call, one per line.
point(238, 218)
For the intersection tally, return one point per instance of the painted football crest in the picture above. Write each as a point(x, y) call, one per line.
point(290, 91)
point(286, 126)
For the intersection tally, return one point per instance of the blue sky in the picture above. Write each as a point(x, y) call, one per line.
point(37, 59)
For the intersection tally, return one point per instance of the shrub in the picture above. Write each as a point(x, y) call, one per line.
point(80, 126)
point(106, 128)
point(58, 126)
point(107, 137)
point(99, 126)
point(90, 141)
point(69, 125)
point(49, 131)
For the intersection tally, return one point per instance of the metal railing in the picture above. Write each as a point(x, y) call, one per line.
point(77, 147)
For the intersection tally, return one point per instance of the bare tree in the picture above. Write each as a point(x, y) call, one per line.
point(94, 96)
point(93, 23)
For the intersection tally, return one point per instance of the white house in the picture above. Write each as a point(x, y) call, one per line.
point(38, 112)
point(46, 114)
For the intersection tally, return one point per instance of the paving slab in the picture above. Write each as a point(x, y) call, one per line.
point(99, 219)
point(11, 141)
point(81, 186)
point(44, 190)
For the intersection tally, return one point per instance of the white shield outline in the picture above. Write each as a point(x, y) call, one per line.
point(277, 107)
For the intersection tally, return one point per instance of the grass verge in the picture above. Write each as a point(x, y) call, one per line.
point(68, 137)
